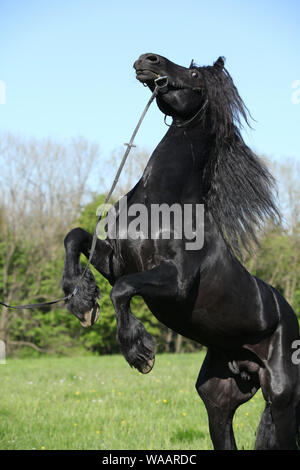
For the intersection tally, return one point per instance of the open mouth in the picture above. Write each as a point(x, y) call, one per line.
point(146, 75)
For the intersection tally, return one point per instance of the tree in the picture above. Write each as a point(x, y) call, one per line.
point(132, 170)
point(277, 260)
point(43, 184)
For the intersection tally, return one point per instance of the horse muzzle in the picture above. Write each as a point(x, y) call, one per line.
point(146, 75)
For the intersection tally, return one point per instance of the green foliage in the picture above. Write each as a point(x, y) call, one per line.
point(277, 262)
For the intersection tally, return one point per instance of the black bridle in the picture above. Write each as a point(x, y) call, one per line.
point(188, 121)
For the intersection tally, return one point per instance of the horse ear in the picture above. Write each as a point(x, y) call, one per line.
point(220, 62)
point(192, 64)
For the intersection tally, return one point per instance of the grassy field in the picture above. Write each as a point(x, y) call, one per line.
point(100, 403)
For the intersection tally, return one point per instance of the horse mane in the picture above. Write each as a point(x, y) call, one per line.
point(238, 187)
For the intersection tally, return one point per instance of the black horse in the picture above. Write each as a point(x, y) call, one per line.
point(204, 294)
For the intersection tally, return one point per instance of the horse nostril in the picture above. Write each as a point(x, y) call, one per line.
point(152, 58)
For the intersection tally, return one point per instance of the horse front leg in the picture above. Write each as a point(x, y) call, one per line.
point(84, 303)
point(136, 344)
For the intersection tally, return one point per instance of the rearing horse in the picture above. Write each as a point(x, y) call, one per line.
point(204, 294)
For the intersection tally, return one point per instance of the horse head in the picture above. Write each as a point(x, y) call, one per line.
point(184, 94)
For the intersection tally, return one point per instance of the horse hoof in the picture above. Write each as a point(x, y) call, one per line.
point(147, 367)
point(234, 367)
point(90, 317)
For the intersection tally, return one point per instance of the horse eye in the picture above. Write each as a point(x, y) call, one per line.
point(194, 74)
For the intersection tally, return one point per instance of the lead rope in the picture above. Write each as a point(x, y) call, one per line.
point(161, 84)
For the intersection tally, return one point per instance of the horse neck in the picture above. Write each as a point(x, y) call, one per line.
point(174, 174)
point(197, 147)
point(175, 170)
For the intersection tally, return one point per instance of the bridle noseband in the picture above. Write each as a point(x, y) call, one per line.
point(164, 89)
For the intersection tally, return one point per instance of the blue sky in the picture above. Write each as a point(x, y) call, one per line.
point(67, 65)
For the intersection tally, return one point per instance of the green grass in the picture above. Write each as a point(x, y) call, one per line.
point(100, 403)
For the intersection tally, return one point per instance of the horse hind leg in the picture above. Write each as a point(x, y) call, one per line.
point(279, 379)
point(223, 391)
point(279, 425)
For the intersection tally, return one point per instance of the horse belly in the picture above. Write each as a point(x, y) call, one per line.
point(233, 327)
point(220, 329)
